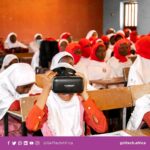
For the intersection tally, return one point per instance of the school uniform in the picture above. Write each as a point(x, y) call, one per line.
point(97, 69)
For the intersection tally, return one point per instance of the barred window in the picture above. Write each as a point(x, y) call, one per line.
point(130, 14)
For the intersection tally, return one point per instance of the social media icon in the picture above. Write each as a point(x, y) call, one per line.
point(31, 143)
point(19, 142)
point(25, 143)
point(13, 142)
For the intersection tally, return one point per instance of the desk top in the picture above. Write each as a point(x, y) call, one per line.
point(141, 132)
point(121, 133)
point(16, 113)
point(106, 83)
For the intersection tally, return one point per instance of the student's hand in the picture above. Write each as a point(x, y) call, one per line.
point(48, 79)
point(45, 80)
point(84, 94)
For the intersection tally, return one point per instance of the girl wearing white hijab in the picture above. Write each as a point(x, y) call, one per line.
point(65, 111)
point(62, 57)
point(68, 58)
point(15, 82)
point(92, 33)
point(35, 45)
point(12, 42)
point(8, 60)
point(63, 44)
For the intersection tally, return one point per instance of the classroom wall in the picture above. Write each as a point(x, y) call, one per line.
point(50, 17)
point(112, 10)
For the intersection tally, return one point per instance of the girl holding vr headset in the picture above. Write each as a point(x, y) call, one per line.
point(63, 112)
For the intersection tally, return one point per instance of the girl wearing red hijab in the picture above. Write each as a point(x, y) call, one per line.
point(75, 50)
point(98, 68)
point(67, 36)
point(82, 65)
point(139, 71)
point(120, 59)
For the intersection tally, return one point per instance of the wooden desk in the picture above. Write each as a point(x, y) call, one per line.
point(106, 83)
point(16, 113)
point(26, 59)
point(141, 132)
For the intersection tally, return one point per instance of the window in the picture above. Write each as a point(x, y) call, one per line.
point(129, 14)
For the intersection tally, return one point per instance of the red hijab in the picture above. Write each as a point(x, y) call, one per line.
point(105, 38)
point(71, 48)
point(116, 50)
point(134, 36)
point(143, 47)
point(93, 52)
point(65, 35)
point(85, 47)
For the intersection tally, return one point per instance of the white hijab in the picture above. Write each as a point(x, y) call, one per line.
point(7, 60)
point(8, 44)
point(58, 57)
point(64, 117)
point(142, 106)
point(38, 34)
point(81, 68)
point(35, 60)
point(90, 33)
point(139, 72)
point(16, 75)
point(62, 40)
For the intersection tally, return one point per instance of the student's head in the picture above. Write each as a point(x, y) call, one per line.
point(119, 36)
point(13, 38)
point(110, 30)
point(105, 40)
point(47, 50)
point(111, 38)
point(127, 32)
point(63, 44)
point(92, 34)
point(75, 50)
point(19, 78)
point(62, 57)
point(122, 49)
point(67, 36)
point(134, 36)
point(143, 47)
point(38, 36)
point(98, 52)
point(85, 47)
point(64, 96)
point(8, 60)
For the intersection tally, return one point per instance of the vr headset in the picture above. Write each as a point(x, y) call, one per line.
point(66, 81)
